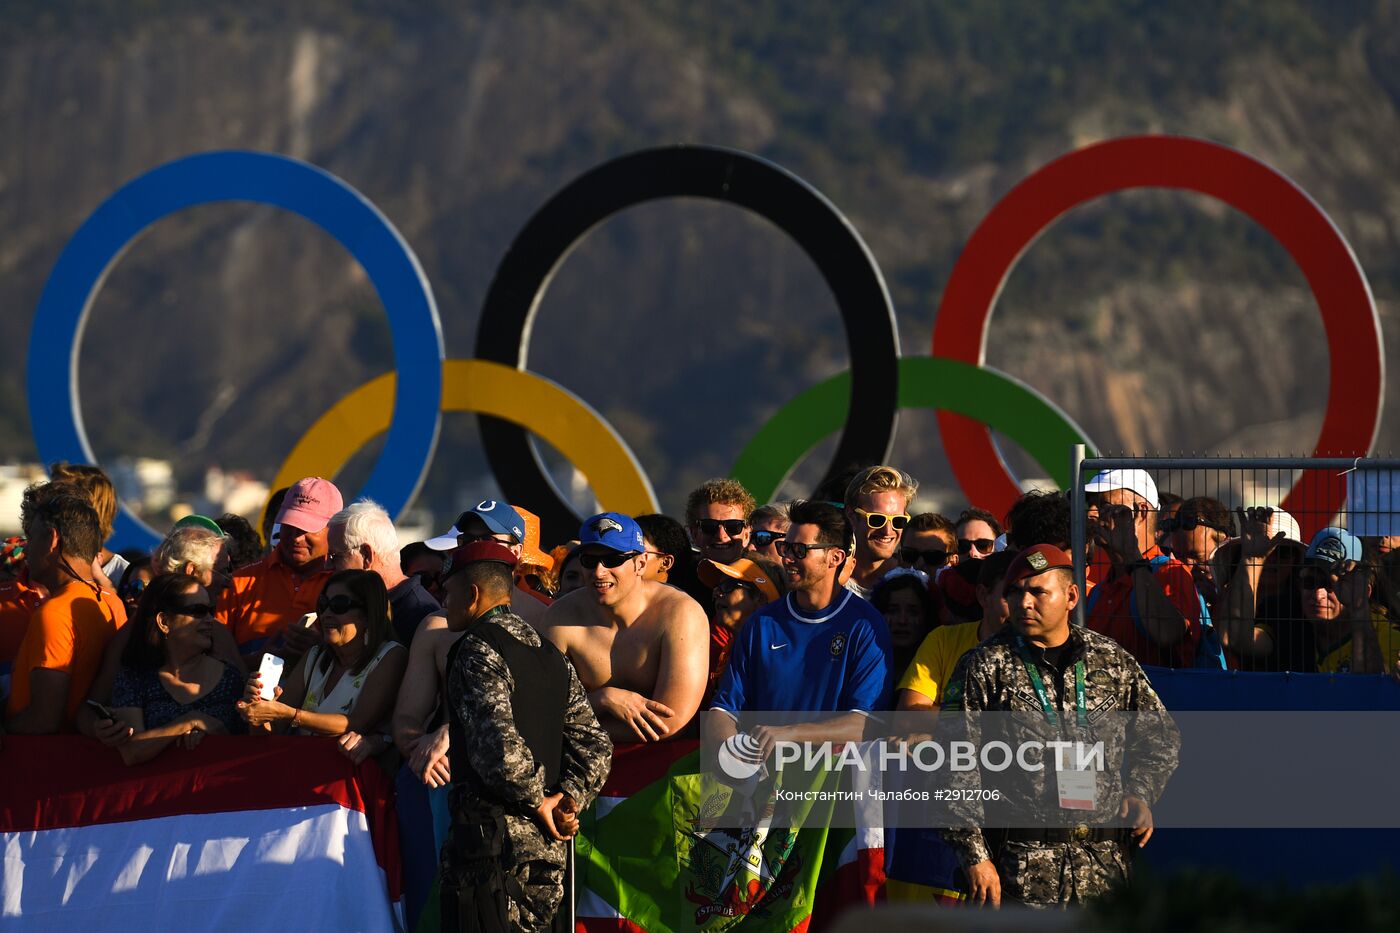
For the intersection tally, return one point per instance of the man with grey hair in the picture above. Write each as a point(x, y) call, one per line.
point(198, 551)
point(363, 537)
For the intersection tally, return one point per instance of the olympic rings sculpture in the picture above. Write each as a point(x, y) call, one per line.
point(969, 396)
point(55, 411)
point(1356, 355)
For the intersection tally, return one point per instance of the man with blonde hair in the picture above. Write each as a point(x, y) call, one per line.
point(877, 505)
point(717, 516)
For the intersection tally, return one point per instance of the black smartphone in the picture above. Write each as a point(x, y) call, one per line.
point(99, 709)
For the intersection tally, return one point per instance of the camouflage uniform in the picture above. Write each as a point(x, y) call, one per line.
point(1140, 754)
point(502, 768)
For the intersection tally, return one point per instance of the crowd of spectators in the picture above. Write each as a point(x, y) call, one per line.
point(648, 609)
point(853, 602)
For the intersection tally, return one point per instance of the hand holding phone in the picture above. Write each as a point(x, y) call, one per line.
point(269, 674)
point(101, 711)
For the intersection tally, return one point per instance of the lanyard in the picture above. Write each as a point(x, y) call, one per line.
point(1033, 672)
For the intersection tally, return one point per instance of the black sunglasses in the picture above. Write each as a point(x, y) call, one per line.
point(194, 611)
point(935, 558)
point(983, 545)
point(1310, 578)
point(338, 605)
point(765, 538)
point(795, 550)
point(611, 560)
point(725, 587)
point(709, 527)
point(1190, 523)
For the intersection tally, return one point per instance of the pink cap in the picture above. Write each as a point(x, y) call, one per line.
point(310, 503)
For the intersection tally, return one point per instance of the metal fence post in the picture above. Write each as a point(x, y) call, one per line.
point(1077, 525)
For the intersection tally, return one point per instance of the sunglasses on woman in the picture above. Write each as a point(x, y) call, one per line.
point(983, 545)
point(725, 587)
point(337, 605)
point(709, 527)
point(611, 560)
point(1190, 523)
point(765, 538)
point(196, 611)
point(934, 558)
point(795, 550)
point(878, 520)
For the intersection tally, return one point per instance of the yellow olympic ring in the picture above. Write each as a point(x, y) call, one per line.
point(481, 387)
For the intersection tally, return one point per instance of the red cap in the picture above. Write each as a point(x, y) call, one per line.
point(459, 557)
point(1037, 559)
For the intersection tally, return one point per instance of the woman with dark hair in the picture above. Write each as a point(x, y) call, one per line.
point(169, 687)
point(346, 685)
point(135, 578)
point(902, 597)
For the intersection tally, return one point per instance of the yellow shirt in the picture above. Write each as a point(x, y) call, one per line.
point(1338, 660)
point(939, 653)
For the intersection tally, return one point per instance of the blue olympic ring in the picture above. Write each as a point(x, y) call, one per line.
point(310, 192)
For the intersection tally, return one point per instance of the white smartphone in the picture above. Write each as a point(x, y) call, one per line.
point(308, 620)
point(270, 673)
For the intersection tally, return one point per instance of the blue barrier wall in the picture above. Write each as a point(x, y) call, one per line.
point(1298, 856)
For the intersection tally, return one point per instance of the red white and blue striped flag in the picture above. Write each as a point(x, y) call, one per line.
point(238, 833)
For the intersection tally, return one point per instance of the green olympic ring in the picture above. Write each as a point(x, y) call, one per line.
point(997, 400)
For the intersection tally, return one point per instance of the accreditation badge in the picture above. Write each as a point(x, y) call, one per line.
point(1078, 788)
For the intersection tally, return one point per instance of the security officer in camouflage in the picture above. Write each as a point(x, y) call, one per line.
point(1061, 833)
point(526, 754)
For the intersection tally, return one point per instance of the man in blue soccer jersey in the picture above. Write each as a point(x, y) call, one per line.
point(822, 649)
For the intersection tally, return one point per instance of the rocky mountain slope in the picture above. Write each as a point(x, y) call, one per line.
point(1159, 321)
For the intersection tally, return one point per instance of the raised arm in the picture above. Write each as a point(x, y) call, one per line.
point(1239, 602)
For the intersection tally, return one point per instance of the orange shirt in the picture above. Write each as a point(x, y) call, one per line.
point(18, 600)
point(67, 633)
point(1114, 615)
point(266, 597)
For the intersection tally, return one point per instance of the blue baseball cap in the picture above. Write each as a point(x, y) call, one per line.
point(613, 530)
point(1332, 545)
point(498, 516)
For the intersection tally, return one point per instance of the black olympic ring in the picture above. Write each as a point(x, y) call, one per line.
point(728, 175)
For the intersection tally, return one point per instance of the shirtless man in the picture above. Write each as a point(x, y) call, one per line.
point(640, 647)
point(420, 727)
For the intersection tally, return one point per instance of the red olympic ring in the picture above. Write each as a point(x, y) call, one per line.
point(1357, 378)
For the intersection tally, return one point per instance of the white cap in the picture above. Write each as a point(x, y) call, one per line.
point(1282, 521)
point(1135, 481)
